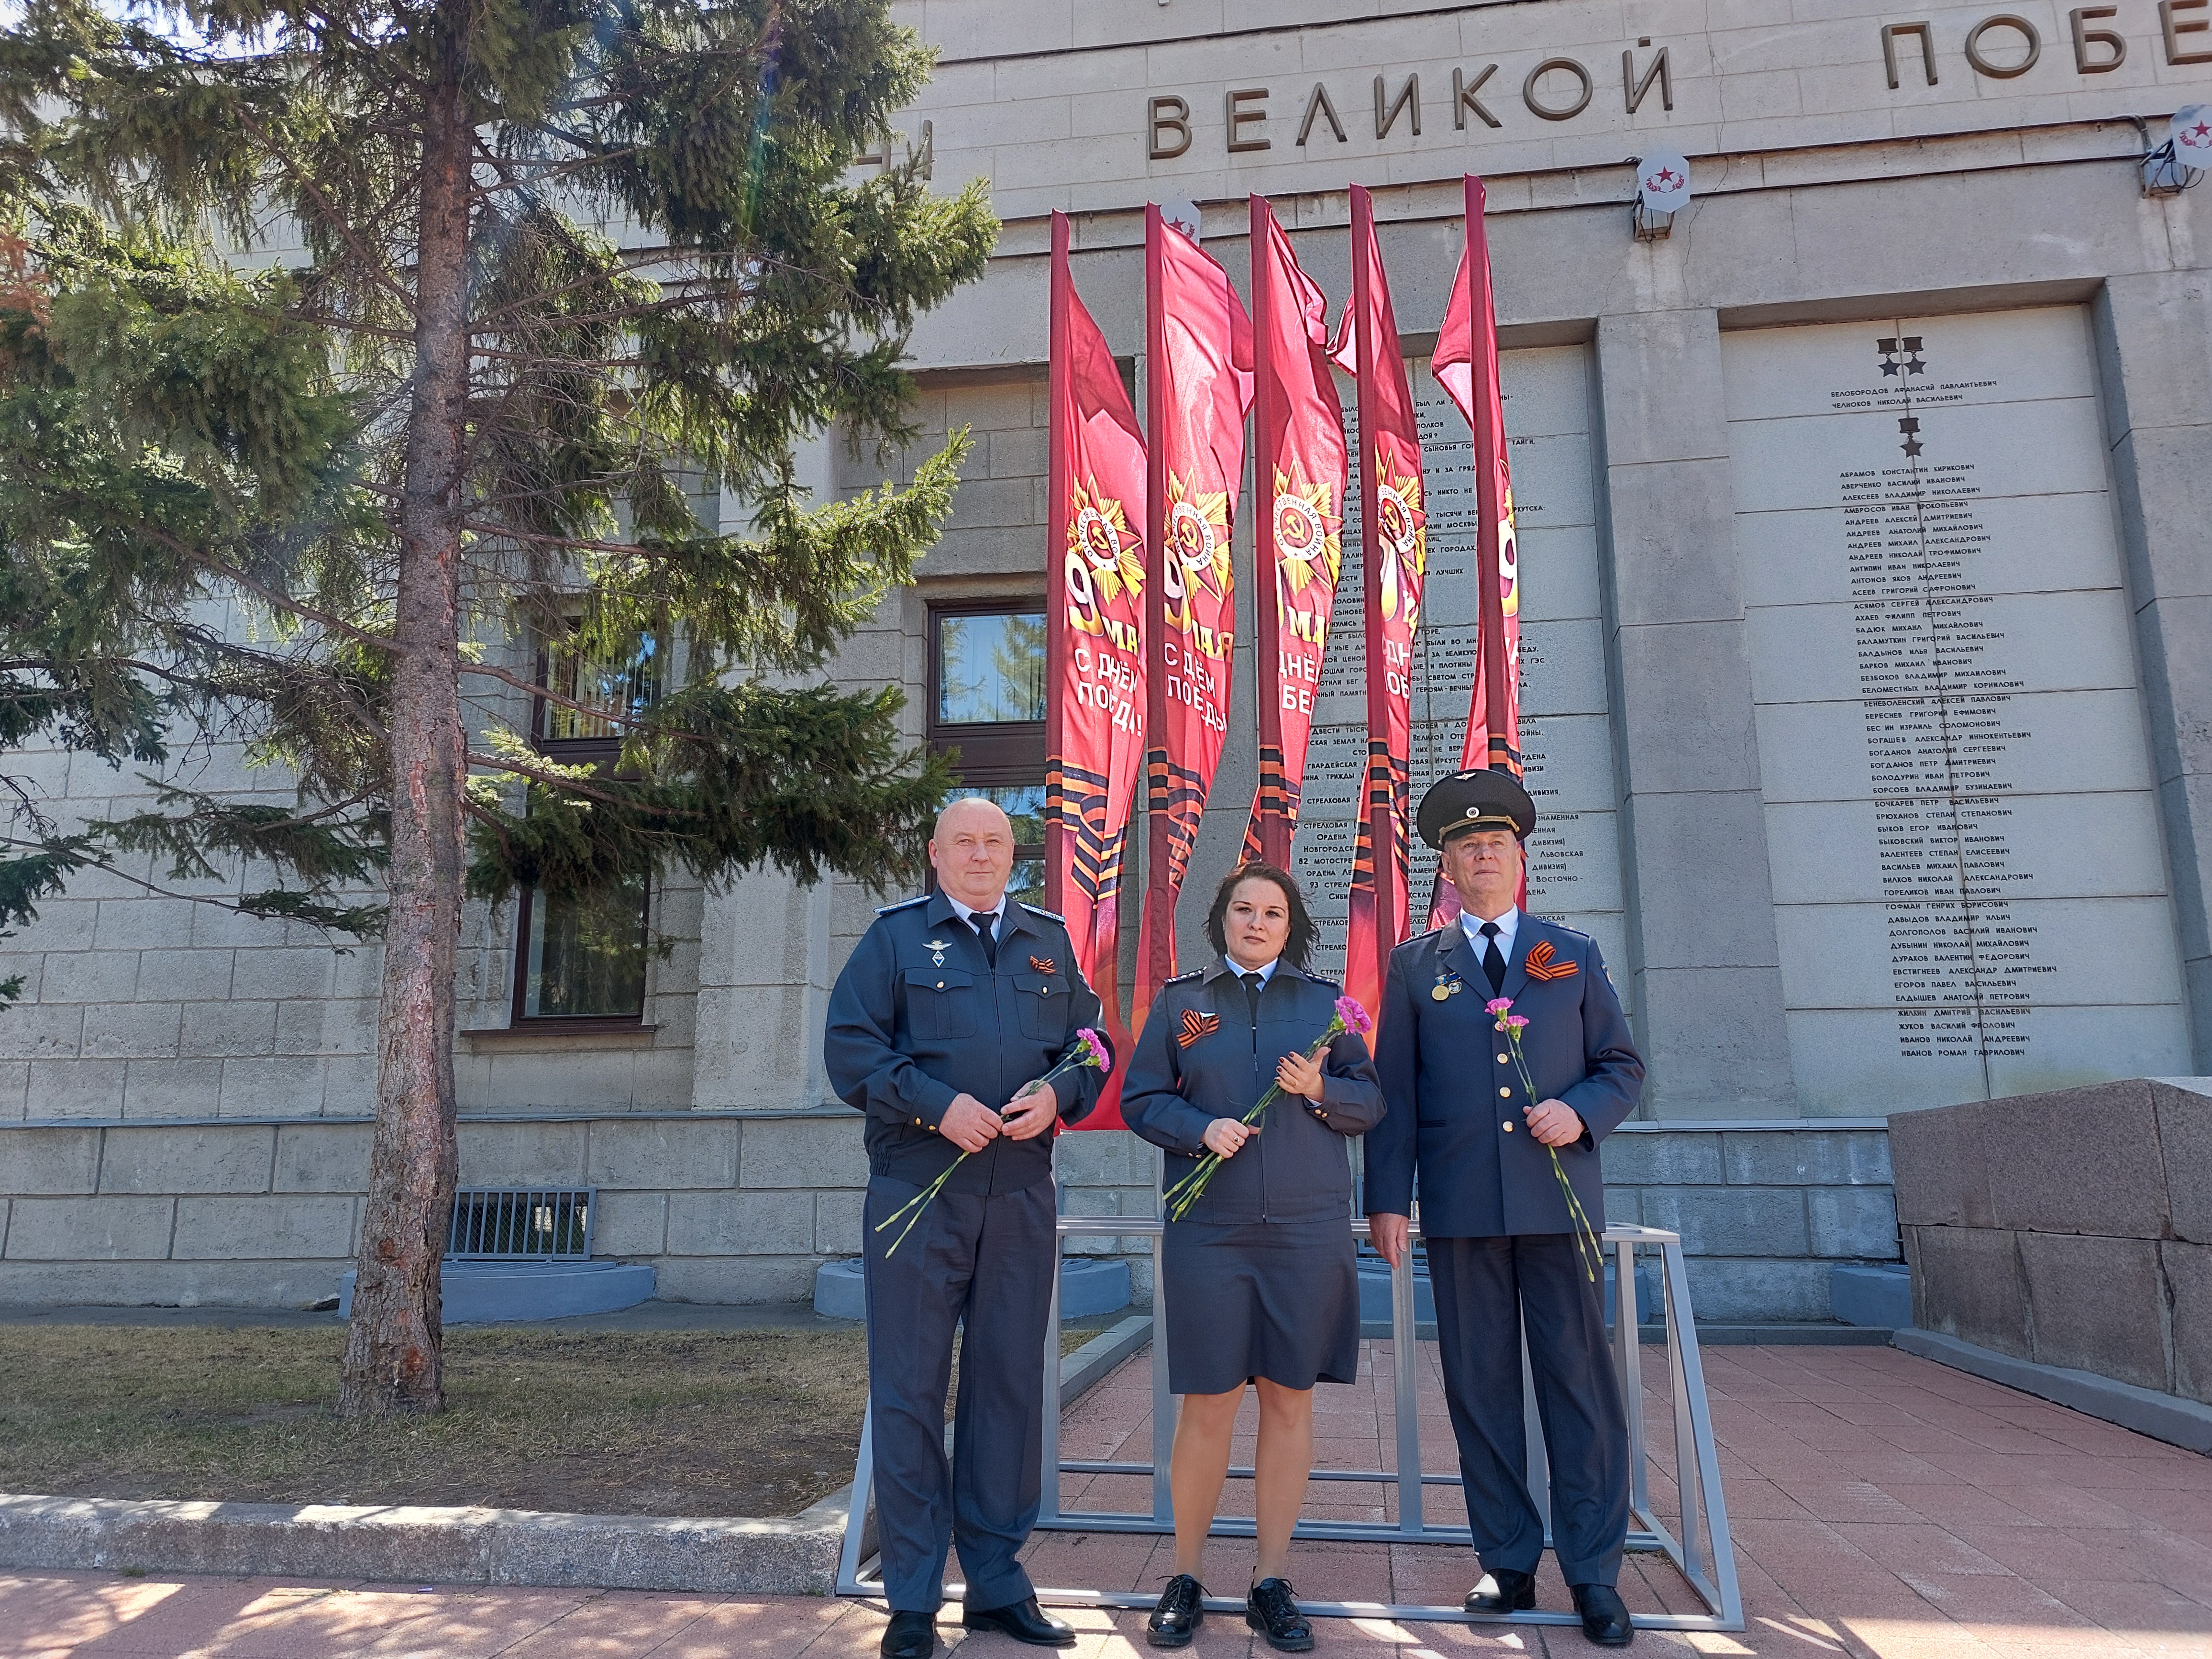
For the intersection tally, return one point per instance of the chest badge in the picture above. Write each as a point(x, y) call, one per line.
point(1448, 985)
point(939, 947)
point(1196, 1025)
point(1042, 965)
point(1541, 965)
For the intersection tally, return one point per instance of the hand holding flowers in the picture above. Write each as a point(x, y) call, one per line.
point(1026, 1116)
point(1552, 1131)
point(1301, 1074)
point(1306, 1076)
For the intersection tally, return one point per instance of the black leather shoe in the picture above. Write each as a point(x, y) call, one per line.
point(1270, 1610)
point(1023, 1620)
point(910, 1636)
point(1605, 1620)
point(1503, 1591)
point(1180, 1611)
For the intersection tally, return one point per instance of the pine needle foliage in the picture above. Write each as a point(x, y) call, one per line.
point(350, 350)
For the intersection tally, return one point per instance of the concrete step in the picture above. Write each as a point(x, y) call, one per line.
point(498, 1292)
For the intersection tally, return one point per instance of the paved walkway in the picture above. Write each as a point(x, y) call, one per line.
point(1884, 1507)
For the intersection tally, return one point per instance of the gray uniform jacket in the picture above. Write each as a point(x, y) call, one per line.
point(1456, 1098)
point(921, 1016)
point(1199, 1058)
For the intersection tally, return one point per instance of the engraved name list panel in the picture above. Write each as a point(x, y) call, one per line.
point(1961, 825)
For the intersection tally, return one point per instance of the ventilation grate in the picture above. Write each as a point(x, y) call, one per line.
point(521, 1224)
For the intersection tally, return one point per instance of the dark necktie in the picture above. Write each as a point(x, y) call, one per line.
point(1253, 986)
point(985, 924)
point(1493, 960)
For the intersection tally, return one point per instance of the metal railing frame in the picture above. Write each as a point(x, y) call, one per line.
point(1703, 1553)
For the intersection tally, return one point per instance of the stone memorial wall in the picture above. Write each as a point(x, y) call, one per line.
point(1970, 894)
point(1574, 868)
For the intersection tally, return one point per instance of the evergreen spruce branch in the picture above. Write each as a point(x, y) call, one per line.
point(275, 600)
point(367, 260)
point(308, 844)
point(284, 904)
point(41, 870)
point(29, 878)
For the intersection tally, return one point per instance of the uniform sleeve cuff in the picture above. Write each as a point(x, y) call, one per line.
point(937, 1100)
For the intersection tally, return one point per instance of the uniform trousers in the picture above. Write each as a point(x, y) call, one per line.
point(987, 1263)
point(1486, 1290)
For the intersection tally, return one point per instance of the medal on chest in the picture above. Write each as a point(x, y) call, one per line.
point(939, 947)
point(1448, 986)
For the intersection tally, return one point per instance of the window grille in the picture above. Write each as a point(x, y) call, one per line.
point(521, 1224)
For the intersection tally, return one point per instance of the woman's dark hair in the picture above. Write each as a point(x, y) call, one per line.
point(1302, 927)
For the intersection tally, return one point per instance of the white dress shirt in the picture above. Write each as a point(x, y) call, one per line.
point(1265, 970)
point(1508, 925)
point(996, 913)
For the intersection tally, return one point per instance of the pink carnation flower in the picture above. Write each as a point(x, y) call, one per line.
point(1353, 1016)
point(1497, 1005)
point(1096, 1049)
point(1517, 1021)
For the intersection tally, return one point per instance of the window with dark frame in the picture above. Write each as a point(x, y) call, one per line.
point(579, 960)
point(987, 696)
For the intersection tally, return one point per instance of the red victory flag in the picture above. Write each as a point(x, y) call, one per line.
point(1094, 640)
point(1466, 366)
point(1394, 558)
point(1297, 476)
point(1198, 344)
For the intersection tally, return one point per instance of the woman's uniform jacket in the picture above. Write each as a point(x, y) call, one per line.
point(1199, 1058)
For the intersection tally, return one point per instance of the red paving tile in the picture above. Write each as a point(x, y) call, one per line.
point(1884, 1507)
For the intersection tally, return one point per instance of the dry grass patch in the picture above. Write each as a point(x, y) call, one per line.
point(687, 1422)
point(696, 1423)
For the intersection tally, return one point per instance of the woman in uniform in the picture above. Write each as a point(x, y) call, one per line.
point(1261, 1283)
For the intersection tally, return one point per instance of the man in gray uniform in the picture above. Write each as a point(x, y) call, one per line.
point(952, 1006)
point(1501, 1239)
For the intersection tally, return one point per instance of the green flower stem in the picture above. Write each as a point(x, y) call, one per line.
point(1188, 1191)
point(1587, 1248)
point(921, 1200)
point(919, 1204)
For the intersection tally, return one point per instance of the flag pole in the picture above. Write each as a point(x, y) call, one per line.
point(1382, 845)
point(1268, 669)
point(1156, 960)
point(1489, 443)
point(1055, 555)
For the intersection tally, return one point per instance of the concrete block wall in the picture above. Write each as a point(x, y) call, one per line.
point(1764, 1214)
point(727, 1207)
point(743, 1207)
point(243, 1215)
point(2072, 1229)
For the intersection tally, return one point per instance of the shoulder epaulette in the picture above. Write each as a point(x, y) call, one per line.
point(1418, 938)
point(1572, 932)
point(1179, 979)
point(1326, 984)
point(904, 904)
point(1039, 910)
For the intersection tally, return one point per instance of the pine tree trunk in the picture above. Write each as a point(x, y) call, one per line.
point(394, 1357)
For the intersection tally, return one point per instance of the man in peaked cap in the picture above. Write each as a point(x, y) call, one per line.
point(952, 1004)
point(1503, 1247)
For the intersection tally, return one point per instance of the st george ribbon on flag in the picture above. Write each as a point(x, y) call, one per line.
point(1466, 366)
point(1394, 563)
point(1094, 647)
point(1298, 481)
point(1198, 344)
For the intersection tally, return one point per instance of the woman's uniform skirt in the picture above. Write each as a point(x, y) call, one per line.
point(1272, 1299)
